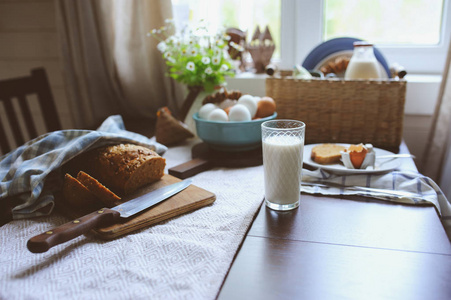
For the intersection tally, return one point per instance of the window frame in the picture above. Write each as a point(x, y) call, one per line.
point(301, 31)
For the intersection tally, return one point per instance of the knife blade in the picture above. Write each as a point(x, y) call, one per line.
point(102, 218)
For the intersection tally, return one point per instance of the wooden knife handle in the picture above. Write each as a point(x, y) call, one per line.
point(100, 218)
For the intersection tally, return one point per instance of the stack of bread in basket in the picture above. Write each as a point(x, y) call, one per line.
point(100, 177)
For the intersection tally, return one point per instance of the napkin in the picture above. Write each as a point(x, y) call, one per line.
point(30, 172)
point(424, 188)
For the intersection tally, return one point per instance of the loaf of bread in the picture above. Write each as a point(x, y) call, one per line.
point(109, 198)
point(121, 168)
point(327, 153)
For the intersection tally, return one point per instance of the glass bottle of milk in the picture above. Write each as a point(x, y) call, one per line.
point(363, 63)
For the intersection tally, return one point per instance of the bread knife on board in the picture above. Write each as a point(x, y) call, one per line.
point(102, 218)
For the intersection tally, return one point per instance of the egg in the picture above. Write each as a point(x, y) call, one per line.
point(227, 109)
point(239, 112)
point(265, 107)
point(205, 110)
point(217, 114)
point(250, 103)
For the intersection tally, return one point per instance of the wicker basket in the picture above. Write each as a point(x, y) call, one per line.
point(340, 111)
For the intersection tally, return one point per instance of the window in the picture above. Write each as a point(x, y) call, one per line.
point(242, 14)
point(384, 22)
point(413, 33)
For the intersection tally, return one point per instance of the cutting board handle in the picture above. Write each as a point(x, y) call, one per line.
point(100, 218)
point(191, 168)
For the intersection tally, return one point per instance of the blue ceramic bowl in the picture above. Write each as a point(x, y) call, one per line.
point(231, 136)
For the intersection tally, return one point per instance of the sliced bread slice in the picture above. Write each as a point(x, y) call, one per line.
point(327, 153)
point(76, 195)
point(109, 198)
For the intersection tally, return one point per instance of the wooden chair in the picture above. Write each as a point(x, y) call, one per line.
point(20, 123)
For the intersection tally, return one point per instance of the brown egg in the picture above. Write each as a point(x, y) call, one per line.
point(266, 106)
point(227, 109)
point(357, 154)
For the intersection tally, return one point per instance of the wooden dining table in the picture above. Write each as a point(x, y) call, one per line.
point(343, 247)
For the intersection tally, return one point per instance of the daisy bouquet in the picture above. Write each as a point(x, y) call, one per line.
point(195, 57)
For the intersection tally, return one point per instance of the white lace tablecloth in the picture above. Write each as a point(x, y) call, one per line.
point(186, 257)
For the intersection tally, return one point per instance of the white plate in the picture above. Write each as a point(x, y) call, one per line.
point(382, 165)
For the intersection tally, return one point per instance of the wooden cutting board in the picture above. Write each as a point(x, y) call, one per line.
point(205, 158)
point(189, 199)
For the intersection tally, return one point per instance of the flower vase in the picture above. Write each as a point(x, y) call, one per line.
point(192, 104)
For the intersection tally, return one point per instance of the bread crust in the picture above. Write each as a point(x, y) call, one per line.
point(327, 153)
point(77, 195)
point(109, 198)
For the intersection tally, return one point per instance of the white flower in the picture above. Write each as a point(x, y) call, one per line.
point(192, 51)
point(162, 46)
point(227, 37)
point(206, 60)
point(190, 66)
point(239, 48)
point(172, 39)
point(167, 55)
point(224, 68)
point(171, 59)
point(219, 42)
point(217, 51)
point(153, 31)
point(208, 70)
point(216, 60)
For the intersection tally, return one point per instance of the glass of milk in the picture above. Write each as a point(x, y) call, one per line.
point(283, 147)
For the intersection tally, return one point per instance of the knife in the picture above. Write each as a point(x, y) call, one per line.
point(393, 193)
point(102, 218)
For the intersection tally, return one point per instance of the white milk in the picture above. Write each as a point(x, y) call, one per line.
point(362, 69)
point(282, 162)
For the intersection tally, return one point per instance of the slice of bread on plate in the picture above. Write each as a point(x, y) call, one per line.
point(327, 153)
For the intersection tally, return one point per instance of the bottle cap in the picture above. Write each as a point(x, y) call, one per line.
point(362, 44)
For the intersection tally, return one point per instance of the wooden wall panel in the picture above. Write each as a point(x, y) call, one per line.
point(28, 45)
point(17, 68)
point(30, 16)
point(29, 39)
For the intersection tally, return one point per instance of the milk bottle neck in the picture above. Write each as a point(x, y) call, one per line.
point(364, 52)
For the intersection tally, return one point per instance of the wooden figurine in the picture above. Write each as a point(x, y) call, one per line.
point(261, 49)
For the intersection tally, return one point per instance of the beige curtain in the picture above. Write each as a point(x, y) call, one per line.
point(440, 136)
point(110, 64)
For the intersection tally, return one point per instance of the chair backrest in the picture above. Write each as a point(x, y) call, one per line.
point(20, 123)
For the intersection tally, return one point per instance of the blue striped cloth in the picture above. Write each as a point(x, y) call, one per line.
point(30, 172)
point(425, 190)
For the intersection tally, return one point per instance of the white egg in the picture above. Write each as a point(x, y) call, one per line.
point(206, 109)
point(257, 98)
point(250, 103)
point(239, 112)
point(217, 114)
